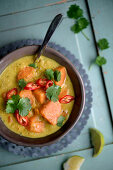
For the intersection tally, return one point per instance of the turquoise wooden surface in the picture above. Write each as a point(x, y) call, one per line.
point(104, 29)
point(56, 162)
point(20, 21)
point(10, 8)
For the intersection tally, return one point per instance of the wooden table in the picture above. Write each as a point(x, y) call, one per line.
point(30, 19)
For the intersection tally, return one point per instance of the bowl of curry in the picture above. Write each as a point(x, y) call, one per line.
point(40, 101)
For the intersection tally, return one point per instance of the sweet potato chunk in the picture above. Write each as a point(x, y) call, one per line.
point(29, 95)
point(51, 111)
point(27, 73)
point(64, 92)
point(35, 125)
point(63, 75)
point(40, 95)
point(30, 114)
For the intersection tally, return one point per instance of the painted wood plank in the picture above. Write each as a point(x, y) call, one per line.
point(13, 6)
point(33, 17)
point(57, 161)
point(102, 17)
point(8, 158)
point(82, 141)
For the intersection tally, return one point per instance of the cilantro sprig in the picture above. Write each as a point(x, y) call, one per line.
point(80, 24)
point(34, 65)
point(49, 73)
point(53, 92)
point(53, 75)
point(22, 104)
point(100, 61)
point(22, 83)
point(60, 121)
point(57, 75)
point(11, 105)
point(102, 45)
point(76, 13)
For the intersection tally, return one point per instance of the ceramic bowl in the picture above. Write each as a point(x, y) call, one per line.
point(77, 107)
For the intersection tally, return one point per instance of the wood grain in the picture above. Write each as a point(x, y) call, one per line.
point(30, 19)
point(56, 162)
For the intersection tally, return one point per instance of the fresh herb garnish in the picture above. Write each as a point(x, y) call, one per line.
point(76, 13)
point(53, 75)
point(22, 104)
point(53, 92)
point(15, 98)
point(103, 44)
point(11, 105)
point(60, 121)
point(100, 61)
point(22, 83)
point(49, 73)
point(34, 65)
point(57, 75)
point(81, 24)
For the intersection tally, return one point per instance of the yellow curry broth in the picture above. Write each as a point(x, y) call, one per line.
point(8, 80)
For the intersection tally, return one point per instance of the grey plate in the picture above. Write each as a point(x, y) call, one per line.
point(59, 145)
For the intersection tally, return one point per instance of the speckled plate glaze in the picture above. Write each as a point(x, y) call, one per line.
point(59, 145)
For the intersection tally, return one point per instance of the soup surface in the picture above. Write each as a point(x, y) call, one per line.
point(43, 119)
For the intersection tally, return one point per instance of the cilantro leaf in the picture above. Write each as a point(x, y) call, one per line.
point(100, 61)
point(53, 92)
point(34, 65)
point(103, 44)
point(74, 12)
point(24, 106)
point(15, 98)
point(75, 28)
point(10, 108)
point(22, 83)
point(57, 75)
point(60, 121)
point(49, 74)
point(11, 104)
point(81, 24)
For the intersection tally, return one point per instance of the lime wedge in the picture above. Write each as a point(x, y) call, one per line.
point(97, 140)
point(73, 163)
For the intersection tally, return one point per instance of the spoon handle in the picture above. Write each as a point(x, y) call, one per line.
point(49, 33)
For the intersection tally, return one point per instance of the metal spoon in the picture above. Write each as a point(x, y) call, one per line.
point(55, 22)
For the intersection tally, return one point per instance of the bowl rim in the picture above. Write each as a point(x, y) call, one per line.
point(80, 111)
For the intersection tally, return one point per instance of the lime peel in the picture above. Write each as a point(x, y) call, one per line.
point(97, 140)
point(73, 163)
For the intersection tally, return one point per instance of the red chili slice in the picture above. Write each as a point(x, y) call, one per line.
point(22, 120)
point(10, 93)
point(49, 84)
point(66, 99)
point(31, 86)
point(42, 82)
